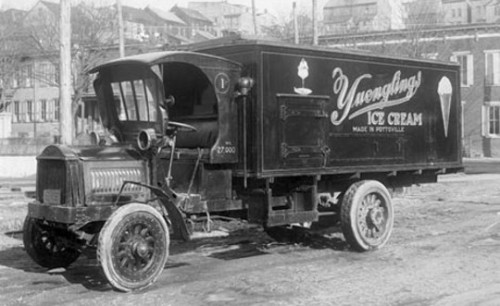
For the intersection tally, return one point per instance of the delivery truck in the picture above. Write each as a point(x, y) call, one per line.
point(272, 133)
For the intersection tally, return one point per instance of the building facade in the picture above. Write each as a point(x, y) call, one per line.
point(470, 11)
point(233, 18)
point(195, 20)
point(457, 12)
point(350, 16)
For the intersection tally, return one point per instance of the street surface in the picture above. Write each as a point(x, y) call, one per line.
point(443, 251)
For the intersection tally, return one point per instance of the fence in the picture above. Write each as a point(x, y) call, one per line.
point(24, 146)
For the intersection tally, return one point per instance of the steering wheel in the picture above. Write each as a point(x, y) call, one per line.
point(174, 126)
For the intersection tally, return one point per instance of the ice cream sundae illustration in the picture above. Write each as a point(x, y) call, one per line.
point(303, 73)
point(445, 91)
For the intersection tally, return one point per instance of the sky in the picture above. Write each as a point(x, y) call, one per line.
point(279, 8)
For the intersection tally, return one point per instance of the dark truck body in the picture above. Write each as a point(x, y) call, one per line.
point(275, 134)
point(339, 127)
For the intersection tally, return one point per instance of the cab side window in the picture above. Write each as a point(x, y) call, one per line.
point(194, 94)
point(195, 104)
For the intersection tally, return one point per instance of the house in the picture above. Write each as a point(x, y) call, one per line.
point(457, 11)
point(40, 12)
point(492, 11)
point(216, 11)
point(342, 16)
point(11, 18)
point(169, 28)
point(476, 47)
point(453, 12)
point(194, 20)
point(228, 18)
point(135, 23)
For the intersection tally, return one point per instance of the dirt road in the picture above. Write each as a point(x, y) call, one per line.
point(444, 251)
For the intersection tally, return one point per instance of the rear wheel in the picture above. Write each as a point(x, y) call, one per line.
point(367, 216)
point(48, 246)
point(133, 247)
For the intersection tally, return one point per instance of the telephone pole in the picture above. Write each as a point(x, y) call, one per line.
point(295, 24)
point(121, 39)
point(315, 21)
point(254, 19)
point(65, 73)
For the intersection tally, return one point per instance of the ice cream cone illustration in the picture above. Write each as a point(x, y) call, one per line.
point(445, 91)
point(303, 73)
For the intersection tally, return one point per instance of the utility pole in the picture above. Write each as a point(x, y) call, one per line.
point(121, 39)
point(295, 24)
point(315, 21)
point(65, 73)
point(254, 18)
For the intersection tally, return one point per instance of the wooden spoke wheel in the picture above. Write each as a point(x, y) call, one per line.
point(48, 246)
point(367, 215)
point(133, 247)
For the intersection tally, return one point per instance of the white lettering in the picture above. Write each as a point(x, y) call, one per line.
point(349, 98)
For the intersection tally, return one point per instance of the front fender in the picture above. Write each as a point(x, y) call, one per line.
point(168, 199)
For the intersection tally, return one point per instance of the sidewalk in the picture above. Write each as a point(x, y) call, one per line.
point(481, 165)
point(18, 173)
point(14, 188)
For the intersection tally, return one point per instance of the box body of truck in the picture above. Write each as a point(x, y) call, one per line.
point(330, 112)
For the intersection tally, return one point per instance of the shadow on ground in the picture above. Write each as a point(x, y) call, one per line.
point(242, 243)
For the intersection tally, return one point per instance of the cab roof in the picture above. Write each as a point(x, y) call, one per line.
point(154, 58)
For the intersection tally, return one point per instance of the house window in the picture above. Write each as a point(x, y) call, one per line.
point(466, 67)
point(43, 110)
point(29, 111)
point(8, 106)
point(491, 119)
point(17, 111)
point(15, 80)
point(25, 77)
point(492, 69)
point(56, 110)
point(48, 74)
point(497, 10)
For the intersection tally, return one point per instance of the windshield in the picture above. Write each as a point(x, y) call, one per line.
point(135, 100)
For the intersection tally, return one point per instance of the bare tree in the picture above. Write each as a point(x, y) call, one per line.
point(285, 30)
point(93, 36)
point(12, 52)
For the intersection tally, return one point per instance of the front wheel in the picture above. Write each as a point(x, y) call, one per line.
point(366, 215)
point(133, 247)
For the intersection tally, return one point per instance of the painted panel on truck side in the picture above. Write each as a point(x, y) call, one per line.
point(376, 112)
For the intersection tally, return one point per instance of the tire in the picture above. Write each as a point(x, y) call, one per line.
point(366, 215)
point(133, 247)
point(48, 246)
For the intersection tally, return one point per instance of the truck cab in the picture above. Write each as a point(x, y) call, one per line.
point(170, 140)
point(147, 91)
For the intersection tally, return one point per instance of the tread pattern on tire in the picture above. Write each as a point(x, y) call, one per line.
point(113, 221)
point(345, 216)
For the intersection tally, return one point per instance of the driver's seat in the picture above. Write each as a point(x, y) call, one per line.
point(204, 137)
